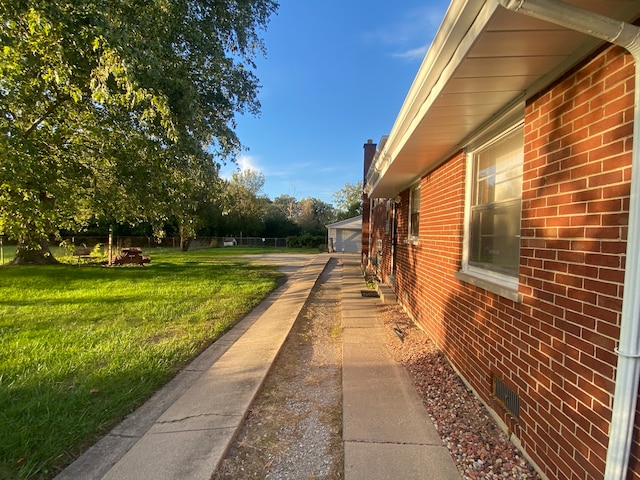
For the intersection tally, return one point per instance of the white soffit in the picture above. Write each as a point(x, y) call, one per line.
point(483, 60)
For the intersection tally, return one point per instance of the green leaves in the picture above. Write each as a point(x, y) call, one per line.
point(106, 107)
point(244, 203)
point(348, 201)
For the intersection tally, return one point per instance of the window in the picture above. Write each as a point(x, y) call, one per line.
point(494, 209)
point(414, 213)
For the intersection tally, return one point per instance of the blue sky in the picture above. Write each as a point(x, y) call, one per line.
point(335, 74)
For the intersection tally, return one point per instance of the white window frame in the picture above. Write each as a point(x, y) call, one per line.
point(496, 282)
point(412, 236)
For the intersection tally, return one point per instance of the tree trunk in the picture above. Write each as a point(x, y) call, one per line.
point(184, 243)
point(186, 235)
point(30, 254)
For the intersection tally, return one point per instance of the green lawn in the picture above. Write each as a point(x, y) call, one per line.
point(82, 346)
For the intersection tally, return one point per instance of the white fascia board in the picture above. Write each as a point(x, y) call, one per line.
point(462, 24)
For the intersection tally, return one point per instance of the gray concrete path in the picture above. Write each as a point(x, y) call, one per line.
point(387, 433)
point(184, 431)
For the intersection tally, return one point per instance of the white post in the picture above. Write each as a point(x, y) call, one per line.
point(110, 244)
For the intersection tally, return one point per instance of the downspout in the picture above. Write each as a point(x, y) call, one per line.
point(628, 370)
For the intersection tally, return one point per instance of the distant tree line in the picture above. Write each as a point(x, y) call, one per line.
point(238, 208)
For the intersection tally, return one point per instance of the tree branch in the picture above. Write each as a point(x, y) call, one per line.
point(52, 108)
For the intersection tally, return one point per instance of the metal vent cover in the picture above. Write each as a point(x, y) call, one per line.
point(369, 293)
point(506, 396)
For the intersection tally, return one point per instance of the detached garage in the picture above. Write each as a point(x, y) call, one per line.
point(345, 236)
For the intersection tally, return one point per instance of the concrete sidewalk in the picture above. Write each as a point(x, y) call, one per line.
point(184, 431)
point(386, 431)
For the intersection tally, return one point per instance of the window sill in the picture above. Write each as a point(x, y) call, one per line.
point(493, 285)
point(411, 241)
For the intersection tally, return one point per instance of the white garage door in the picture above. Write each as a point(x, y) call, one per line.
point(348, 241)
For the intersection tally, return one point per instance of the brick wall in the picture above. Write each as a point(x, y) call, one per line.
point(556, 347)
point(382, 215)
point(575, 203)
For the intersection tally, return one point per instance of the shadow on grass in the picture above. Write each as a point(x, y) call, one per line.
point(69, 414)
point(72, 363)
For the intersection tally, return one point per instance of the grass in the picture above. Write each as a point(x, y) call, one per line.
point(82, 346)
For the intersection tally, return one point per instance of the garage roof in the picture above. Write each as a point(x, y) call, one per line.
point(353, 223)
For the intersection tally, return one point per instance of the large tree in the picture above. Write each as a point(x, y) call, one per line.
point(277, 224)
point(288, 206)
point(193, 195)
point(348, 201)
point(108, 108)
point(245, 205)
point(314, 215)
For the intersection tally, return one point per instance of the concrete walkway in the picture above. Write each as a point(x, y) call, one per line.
point(183, 432)
point(387, 433)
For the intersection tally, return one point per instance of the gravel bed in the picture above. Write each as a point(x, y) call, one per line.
point(479, 447)
point(293, 429)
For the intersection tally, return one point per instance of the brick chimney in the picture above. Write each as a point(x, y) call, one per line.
point(369, 154)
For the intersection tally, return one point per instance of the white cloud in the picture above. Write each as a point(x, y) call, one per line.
point(424, 22)
point(416, 26)
point(412, 54)
point(290, 170)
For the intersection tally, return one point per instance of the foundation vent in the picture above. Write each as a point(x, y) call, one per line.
point(506, 397)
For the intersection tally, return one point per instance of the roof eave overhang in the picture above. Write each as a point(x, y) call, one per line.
point(483, 65)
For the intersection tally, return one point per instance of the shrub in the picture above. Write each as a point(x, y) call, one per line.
point(306, 240)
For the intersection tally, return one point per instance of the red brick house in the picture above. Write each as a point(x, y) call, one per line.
point(501, 209)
